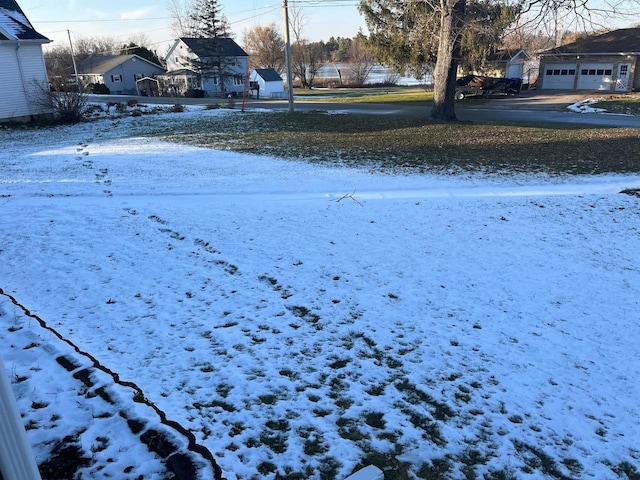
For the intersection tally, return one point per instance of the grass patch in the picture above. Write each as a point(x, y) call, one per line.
point(628, 104)
point(403, 95)
point(412, 144)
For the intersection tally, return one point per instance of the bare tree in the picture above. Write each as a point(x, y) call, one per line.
point(297, 21)
point(182, 25)
point(265, 46)
point(361, 61)
point(86, 46)
point(306, 60)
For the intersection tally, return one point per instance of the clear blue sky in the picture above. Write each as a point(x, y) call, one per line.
point(123, 19)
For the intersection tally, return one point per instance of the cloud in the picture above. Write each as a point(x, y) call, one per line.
point(136, 13)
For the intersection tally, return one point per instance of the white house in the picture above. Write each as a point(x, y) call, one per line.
point(23, 74)
point(267, 82)
point(122, 74)
point(208, 65)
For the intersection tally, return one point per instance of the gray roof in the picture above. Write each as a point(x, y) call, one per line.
point(625, 40)
point(14, 24)
point(508, 55)
point(268, 74)
point(100, 64)
point(222, 46)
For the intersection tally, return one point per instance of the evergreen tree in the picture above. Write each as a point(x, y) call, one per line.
point(210, 39)
point(208, 21)
point(132, 49)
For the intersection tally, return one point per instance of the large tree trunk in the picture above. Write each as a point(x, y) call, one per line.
point(444, 75)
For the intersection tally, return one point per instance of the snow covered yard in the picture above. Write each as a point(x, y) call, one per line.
point(302, 321)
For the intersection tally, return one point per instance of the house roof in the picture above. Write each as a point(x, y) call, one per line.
point(623, 41)
point(203, 47)
point(178, 73)
point(14, 25)
point(508, 55)
point(101, 64)
point(268, 74)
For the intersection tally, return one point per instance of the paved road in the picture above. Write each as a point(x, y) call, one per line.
point(503, 109)
point(533, 106)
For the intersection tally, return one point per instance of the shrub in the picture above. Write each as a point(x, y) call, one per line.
point(67, 106)
point(100, 89)
point(194, 93)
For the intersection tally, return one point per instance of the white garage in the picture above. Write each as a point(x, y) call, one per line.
point(559, 76)
point(595, 76)
point(605, 62)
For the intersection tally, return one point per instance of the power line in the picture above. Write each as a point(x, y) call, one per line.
point(103, 20)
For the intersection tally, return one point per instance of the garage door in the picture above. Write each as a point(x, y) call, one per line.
point(559, 76)
point(595, 76)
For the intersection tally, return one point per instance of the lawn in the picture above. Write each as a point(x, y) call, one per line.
point(401, 95)
point(296, 297)
point(414, 145)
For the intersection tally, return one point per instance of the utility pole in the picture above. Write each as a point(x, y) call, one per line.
point(287, 52)
point(73, 59)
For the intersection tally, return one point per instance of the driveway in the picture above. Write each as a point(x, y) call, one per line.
point(532, 100)
point(541, 107)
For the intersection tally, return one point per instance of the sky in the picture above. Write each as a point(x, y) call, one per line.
point(297, 316)
point(119, 19)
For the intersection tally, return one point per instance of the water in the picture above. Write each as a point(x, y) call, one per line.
point(379, 74)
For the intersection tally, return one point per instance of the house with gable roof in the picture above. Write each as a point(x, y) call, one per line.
point(23, 74)
point(122, 74)
point(267, 82)
point(513, 64)
point(609, 62)
point(212, 66)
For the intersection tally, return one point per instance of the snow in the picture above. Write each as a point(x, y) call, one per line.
point(584, 106)
point(277, 309)
point(12, 22)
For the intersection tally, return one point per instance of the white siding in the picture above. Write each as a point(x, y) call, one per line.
point(12, 97)
point(17, 94)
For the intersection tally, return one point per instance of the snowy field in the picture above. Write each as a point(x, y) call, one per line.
point(302, 321)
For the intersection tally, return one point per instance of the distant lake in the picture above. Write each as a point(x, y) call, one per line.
point(379, 74)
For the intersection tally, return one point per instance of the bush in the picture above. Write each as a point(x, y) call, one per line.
point(99, 89)
point(67, 106)
point(194, 93)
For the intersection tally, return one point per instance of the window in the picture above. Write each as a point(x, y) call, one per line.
point(564, 71)
point(237, 80)
point(192, 82)
point(138, 76)
point(116, 78)
point(608, 71)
